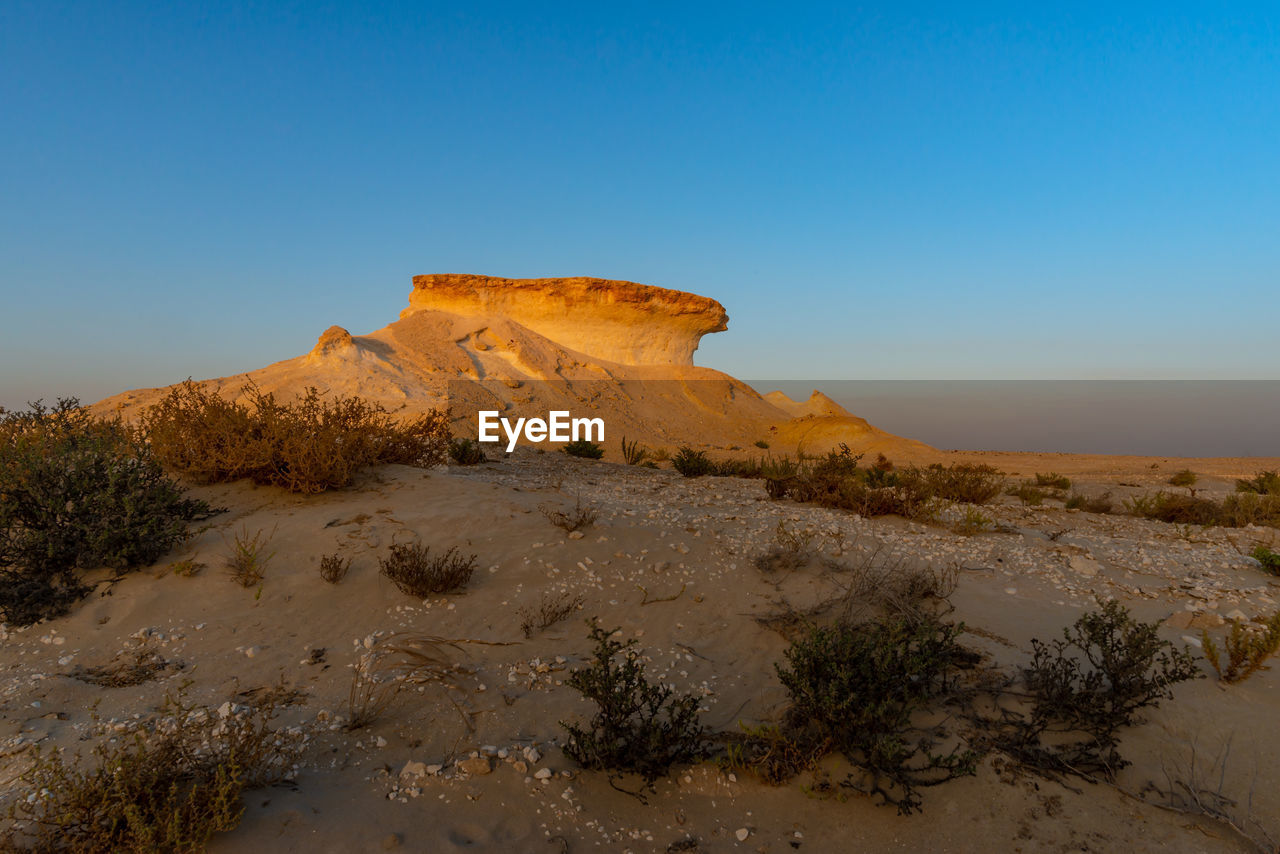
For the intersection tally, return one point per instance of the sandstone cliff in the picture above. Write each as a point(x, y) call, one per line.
point(619, 322)
point(527, 346)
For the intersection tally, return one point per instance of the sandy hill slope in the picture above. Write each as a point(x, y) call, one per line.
point(618, 350)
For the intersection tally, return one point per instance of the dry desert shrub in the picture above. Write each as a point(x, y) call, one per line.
point(131, 667)
point(1053, 480)
point(1247, 647)
point(412, 568)
point(973, 522)
point(772, 754)
point(869, 583)
point(168, 787)
point(839, 480)
point(553, 608)
point(571, 519)
point(308, 446)
point(334, 567)
point(1098, 504)
point(247, 563)
point(1238, 510)
point(789, 551)
point(393, 664)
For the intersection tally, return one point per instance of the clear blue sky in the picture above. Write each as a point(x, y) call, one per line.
point(898, 191)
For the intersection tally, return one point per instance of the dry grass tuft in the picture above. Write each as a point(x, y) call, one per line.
point(571, 519)
point(128, 668)
point(334, 567)
point(553, 608)
point(249, 557)
point(395, 663)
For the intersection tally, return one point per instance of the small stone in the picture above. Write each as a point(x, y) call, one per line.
point(575, 535)
point(1206, 620)
point(381, 742)
point(521, 766)
point(542, 774)
point(434, 769)
point(1237, 616)
point(1086, 566)
point(742, 833)
point(413, 769)
point(532, 756)
point(252, 651)
point(475, 766)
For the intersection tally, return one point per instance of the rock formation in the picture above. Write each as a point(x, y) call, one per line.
point(527, 346)
point(619, 322)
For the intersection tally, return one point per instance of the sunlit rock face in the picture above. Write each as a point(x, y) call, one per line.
point(620, 322)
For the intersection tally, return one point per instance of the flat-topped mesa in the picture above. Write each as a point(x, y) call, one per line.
point(618, 321)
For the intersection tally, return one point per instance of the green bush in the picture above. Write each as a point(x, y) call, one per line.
point(1269, 559)
point(1185, 478)
point(1053, 480)
point(639, 727)
point(1263, 483)
point(1093, 682)
point(859, 687)
point(466, 452)
point(632, 453)
point(1235, 511)
point(584, 450)
point(748, 468)
point(691, 463)
point(309, 446)
point(1173, 508)
point(1099, 504)
point(1029, 494)
point(76, 493)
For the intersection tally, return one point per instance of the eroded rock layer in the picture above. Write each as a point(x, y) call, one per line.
point(616, 321)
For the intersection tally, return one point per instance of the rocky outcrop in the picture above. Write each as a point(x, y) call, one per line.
point(527, 347)
point(620, 322)
point(333, 339)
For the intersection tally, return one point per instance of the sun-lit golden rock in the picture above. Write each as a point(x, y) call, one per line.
point(621, 322)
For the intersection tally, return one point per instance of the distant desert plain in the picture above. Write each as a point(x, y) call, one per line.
point(741, 542)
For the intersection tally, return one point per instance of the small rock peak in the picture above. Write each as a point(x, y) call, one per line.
point(818, 405)
point(333, 338)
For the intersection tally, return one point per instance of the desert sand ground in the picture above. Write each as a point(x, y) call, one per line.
point(685, 547)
